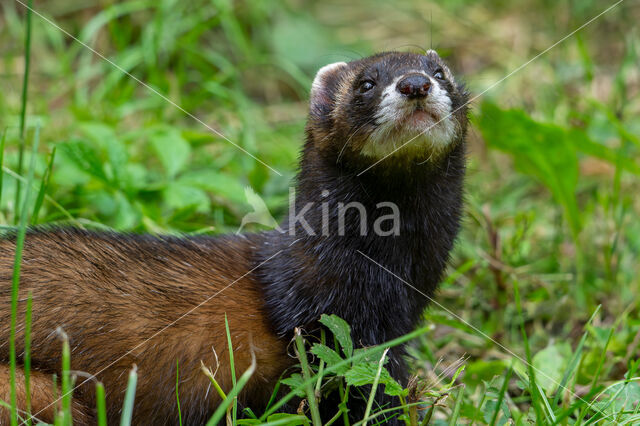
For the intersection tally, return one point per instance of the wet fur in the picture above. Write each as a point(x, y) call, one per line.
point(110, 292)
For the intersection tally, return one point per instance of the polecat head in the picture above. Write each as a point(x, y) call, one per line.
point(370, 107)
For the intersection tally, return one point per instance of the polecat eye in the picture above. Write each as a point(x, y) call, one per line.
point(367, 85)
point(439, 74)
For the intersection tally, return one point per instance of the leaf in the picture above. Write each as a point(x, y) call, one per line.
point(172, 150)
point(296, 383)
point(340, 330)
point(550, 364)
point(179, 196)
point(482, 370)
point(300, 40)
point(540, 150)
point(84, 157)
point(288, 419)
point(621, 396)
point(490, 408)
point(126, 215)
point(105, 137)
point(364, 373)
point(228, 187)
point(330, 357)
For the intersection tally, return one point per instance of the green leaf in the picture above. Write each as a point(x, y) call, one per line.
point(85, 157)
point(364, 373)
point(341, 330)
point(329, 356)
point(621, 396)
point(550, 363)
point(126, 215)
point(543, 151)
point(179, 196)
point(288, 419)
point(228, 187)
point(296, 383)
point(172, 150)
point(105, 137)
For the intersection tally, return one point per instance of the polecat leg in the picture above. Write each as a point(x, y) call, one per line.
point(43, 396)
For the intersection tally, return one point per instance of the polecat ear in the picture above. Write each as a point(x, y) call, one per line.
point(324, 85)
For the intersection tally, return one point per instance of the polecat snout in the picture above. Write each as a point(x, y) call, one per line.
point(114, 294)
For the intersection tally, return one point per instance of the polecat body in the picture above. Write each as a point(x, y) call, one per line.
point(122, 299)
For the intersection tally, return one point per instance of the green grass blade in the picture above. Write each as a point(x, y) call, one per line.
point(232, 365)
point(307, 374)
point(584, 409)
point(2, 141)
point(573, 363)
point(101, 405)
point(233, 394)
point(321, 366)
point(453, 420)
point(207, 372)
point(43, 188)
point(66, 385)
point(374, 386)
point(129, 398)
point(547, 406)
point(533, 390)
point(576, 405)
point(53, 202)
point(177, 393)
point(503, 391)
point(22, 230)
point(23, 105)
point(27, 357)
point(478, 411)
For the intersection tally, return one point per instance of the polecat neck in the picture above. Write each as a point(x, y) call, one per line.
point(325, 271)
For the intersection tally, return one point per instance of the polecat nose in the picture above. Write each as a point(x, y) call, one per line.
point(414, 86)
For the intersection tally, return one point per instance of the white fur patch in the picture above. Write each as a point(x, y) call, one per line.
point(428, 137)
point(318, 81)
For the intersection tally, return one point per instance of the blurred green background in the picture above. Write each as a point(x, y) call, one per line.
point(552, 205)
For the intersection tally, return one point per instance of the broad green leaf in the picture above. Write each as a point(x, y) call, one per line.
point(172, 150)
point(295, 382)
point(84, 157)
point(341, 330)
point(489, 409)
point(330, 357)
point(364, 373)
point(229, 188)
point(543, 151)
point(550, 364)
point(178, 195)
point(126, 215)
point(105, 138)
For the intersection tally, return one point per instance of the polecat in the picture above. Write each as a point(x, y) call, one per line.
point(114, 294)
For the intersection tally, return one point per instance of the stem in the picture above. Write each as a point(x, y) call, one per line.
point(17, 263)
point(27, 358)
point(374, 387)
point(306, 373)
point(23, 108)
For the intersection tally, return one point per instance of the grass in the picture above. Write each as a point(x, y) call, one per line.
point(546, 263)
